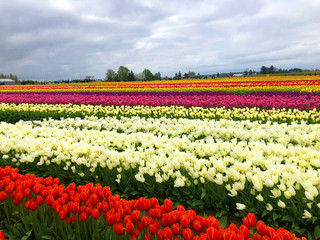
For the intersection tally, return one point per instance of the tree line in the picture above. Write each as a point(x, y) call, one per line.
point(272, 69)
point(125, 74)
point(10, 76)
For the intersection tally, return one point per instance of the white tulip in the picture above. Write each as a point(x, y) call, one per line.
point(306, 215)
point(281, 204)
point(240, 206)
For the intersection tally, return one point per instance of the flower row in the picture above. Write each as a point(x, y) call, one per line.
point(212, 85)
point(300, 135)
point(276, 164)
point(15, 112)
point(266, 100)
point(95, 205)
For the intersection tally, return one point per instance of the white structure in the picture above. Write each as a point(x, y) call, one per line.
point(5, 81)
point(238, 74)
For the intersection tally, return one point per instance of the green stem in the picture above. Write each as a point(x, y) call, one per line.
point(6, 210)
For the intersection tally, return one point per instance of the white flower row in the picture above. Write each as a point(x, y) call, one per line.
point(228, 153)
point(303, 134)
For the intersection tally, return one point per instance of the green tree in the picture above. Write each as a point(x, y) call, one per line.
point(111, 75)
point(148, 74)
point(250, 72)
point(123, 73)
point(271, 69)
point(157, 76)
point(245, 72)
point(264, 70)
point(131, 76)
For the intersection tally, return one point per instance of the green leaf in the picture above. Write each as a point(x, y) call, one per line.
point(264, 213)
point(135, 193)
point(221, 213)
point(316, 232)
point(288, 218)
point(203, 194)
point(275, 216)
point(197, 203)
point(29, 233)
point(46, 237)
point(223, 221)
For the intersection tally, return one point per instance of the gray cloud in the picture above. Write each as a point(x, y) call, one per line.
point(63, 39)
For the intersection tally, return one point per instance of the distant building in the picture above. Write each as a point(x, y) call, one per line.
point(199, 76)
point(88, 79)
point(238, 74)
point(6, 81)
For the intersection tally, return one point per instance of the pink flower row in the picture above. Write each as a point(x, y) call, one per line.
point(302, 101)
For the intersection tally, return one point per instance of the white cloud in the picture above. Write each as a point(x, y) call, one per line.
point(62, 5)
point(96, 19)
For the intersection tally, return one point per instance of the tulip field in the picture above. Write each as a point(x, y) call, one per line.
point(151, 160)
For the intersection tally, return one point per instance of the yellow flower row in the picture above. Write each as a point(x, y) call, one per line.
point(250, 84)
point(70, 110)
point(296, 88)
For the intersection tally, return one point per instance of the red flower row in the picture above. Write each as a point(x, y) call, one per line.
point(135, 217)
point(163, 85)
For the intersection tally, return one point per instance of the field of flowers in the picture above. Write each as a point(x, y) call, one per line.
point(126, 160)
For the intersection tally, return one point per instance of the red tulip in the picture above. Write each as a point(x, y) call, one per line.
point(261, 228)
point(176, 229)
point(252, 219)
point(39, 200)
point(135, 216)
point(160, 234)
point(154, 202)
point(33, 205)
point(246, 222)
point(95, 213)
point(244, 231)
point(286, 236)
point(185, 222)
point(152, 229)
point(146, 237)
point(83, 216)
point(3, 196)
point(62, 215)
point(196, 225)
point(167, 233)
point(110, 218)
point(187, 234)
point(129, 227)
point(49, 200)
point(145, 221)
point(136, 232)
point(168, 205)
point(212, 233)
point(118, 228)
point(256, 236)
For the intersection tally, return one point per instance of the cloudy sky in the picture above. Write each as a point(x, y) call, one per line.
point(69, 39)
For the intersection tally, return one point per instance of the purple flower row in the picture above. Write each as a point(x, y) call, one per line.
point(302, 101)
